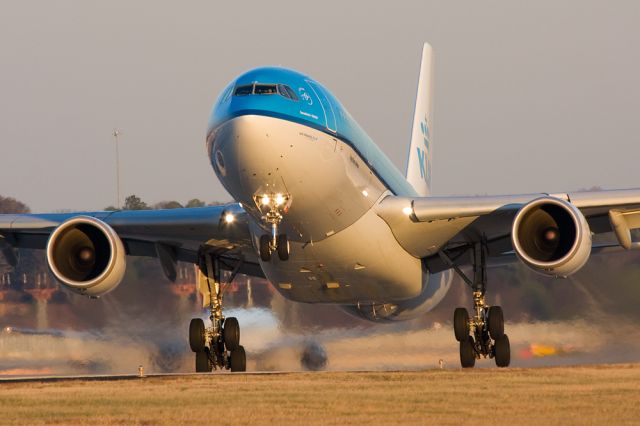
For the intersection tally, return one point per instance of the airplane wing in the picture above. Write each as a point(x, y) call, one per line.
point(170, 235)
point(426, 226)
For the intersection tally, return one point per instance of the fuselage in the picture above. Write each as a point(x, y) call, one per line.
point(274, 130)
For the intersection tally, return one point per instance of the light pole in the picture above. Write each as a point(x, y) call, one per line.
point(116, 133)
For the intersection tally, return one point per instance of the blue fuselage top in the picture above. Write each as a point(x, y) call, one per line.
point(289, 95)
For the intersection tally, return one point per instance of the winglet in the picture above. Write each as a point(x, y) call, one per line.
point(419, 160)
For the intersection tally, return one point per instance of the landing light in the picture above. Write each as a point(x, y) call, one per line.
point(279, 199)
point(229, 218)
point(265, 200)
point(365, 193)
point(407, 211)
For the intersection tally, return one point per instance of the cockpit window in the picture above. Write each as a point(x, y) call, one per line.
point(266, 89)
point(247, 89)
point(287, 92)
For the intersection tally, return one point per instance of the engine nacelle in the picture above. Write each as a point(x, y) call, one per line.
point(86, 256)
point(551, 236)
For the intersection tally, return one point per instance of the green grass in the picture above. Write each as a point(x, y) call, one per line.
point(577, 395)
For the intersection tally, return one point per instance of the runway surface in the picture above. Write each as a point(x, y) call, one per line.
point(114, 377)
point(591, 394)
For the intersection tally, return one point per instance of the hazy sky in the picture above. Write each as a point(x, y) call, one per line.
point(530, 96)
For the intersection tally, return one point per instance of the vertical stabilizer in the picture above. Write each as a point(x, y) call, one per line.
point(419, 161)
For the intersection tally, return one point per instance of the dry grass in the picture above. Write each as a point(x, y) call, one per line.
point(584, 395)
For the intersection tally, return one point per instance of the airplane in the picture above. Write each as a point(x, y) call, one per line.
point(326, 217)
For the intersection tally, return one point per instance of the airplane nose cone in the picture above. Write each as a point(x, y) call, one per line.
point(254, 155)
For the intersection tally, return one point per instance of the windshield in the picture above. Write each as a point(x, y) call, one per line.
point(265, 89)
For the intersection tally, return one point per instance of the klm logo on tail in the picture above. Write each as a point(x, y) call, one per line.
point(419, 161)
point(423, 153)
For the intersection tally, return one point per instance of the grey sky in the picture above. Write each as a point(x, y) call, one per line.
point(530, 96)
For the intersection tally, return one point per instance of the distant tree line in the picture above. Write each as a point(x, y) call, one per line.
point(133, 202)
point(11, 205)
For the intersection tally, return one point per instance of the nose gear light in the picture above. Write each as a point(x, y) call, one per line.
point(272, 206)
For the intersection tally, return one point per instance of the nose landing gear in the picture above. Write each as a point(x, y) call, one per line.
point(217, 346)
point(274, 242)
point(480, 336)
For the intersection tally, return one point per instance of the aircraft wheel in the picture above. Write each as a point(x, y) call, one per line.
point(283, 247)
point(461, 324)
point(496, 322)
point(265, 248)
point(467, 353)
point(196, 335)
point(502, 351)
point(238, 359)
point(231, 333)
point(203, 363)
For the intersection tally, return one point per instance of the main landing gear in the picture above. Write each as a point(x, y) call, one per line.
point(217, 346)
point(274, 242)
point(482, 335)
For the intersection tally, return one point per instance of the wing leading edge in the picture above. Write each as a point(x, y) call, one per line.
point(169, 235)
point(425, 226)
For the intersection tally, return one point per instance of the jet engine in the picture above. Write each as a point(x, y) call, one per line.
point(86, 256)
point(551, 236)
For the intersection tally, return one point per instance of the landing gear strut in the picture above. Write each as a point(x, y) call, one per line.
point(217, 346)
point(482, 335)
point(272, 204)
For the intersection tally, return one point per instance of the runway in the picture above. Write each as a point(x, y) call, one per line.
point(591, 394)
point(116, 377)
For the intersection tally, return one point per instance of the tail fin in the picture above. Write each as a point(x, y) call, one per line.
point(419, 161)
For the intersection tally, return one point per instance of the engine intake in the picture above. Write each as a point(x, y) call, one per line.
point(551, 236)
point(86, 256)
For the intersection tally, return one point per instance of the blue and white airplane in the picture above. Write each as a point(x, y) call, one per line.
point(323, 214)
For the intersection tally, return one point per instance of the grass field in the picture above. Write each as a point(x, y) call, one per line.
point(561, 395)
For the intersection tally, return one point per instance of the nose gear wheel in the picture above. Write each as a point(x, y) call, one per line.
point(273, 206)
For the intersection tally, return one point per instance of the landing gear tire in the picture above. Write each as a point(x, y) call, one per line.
point(467, 353)
point(217, 346)
point(486, 327)
point(461, 324)
point(238, 360)
point(496, 322)
point(265, 248)
point(231, 333)
point(203, 363)
point(283, 247)
point(502, 351)
point(196, 335)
